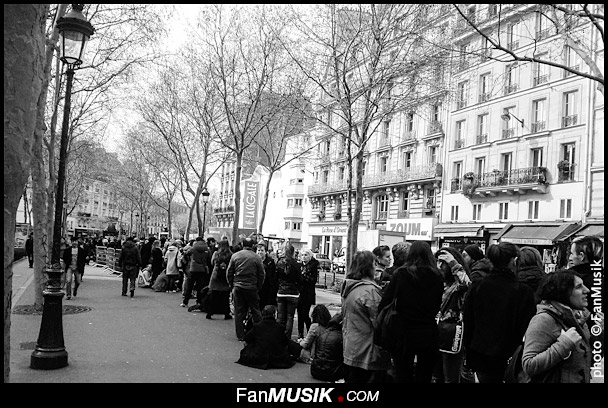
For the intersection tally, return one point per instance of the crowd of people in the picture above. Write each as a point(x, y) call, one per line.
point(463, 313)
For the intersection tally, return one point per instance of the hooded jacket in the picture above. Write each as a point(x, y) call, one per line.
point(480, 269)
point(360, 300)
point(129, 255)
point(171, 260)
point(200, 257)
point(546, 346)
point(328, 362)
point(531, 276)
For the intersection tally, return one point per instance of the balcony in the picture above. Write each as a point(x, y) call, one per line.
point(540, 79)
point(403, 214)
point(456, 185)
point(570, 120)
point(509, 89)
point(461, 104)
point(518, 181)
point(480, 139)
point(222, 210)
point(538, 126)
point(381, 215)
point(484, 97)
point(407, 136)
point(402, 175)
point(568, 73)
point(508, 133)
point(565, 171)
point(384, 141)
point(459, 144)
point(327, 187)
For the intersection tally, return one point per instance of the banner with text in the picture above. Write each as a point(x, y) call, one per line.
point(250, 204)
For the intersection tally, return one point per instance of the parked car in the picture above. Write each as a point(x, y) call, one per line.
point(324, 262)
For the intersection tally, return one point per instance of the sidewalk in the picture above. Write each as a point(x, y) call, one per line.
point(148, 338)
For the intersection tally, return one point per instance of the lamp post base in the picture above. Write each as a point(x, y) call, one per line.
point(50, 352)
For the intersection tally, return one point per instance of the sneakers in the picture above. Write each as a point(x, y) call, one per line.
point(75, 291)
point(132, 293)
point(183, 304)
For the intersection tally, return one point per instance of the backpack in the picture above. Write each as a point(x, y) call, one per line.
point(388, 328)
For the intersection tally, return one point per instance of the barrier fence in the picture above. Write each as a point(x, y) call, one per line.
point(108, 257)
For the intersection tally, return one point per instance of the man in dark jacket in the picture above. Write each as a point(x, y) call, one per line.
point(268, 293)
point(146, 251)
point(129, 261)
point(29, 249)
point(74, 259)
point(246, 276)
point(197, 270)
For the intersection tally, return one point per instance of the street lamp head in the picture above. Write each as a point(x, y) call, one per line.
point(505, 116)
point(75, 31)
point(205, 195)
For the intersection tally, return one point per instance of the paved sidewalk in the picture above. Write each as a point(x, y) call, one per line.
point(148, 338)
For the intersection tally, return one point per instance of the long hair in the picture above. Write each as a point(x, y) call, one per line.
point(320, 314)
point(223, 251)
point(362, 266)
point(420, 256)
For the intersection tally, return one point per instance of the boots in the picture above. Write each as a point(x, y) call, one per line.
point(132, 292)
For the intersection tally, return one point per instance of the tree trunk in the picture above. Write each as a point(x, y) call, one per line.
point(237, 198)
point(24, 26)
point(265, 202)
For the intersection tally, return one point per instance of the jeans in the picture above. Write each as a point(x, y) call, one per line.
point(303, 317)
point(244, 300)
point(129, 276)
point(448, 367)
point(72, 275)
point(286, 309)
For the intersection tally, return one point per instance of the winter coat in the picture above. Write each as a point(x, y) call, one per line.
point(360, 300)
point(419, 301)
point(310, 274)
point(245, 270)
point(219, 281)
point(157, 261)
point(289, 275)
point(130, 257)
point(268, 293)
point(146, 253)
point(308, 343)
point(200, 257)
point(29, 246)
point(171, 260)
point(531, 276)
point(329, 355)
point(546, 346)
point(497, 311)
point(480, 269)
point(266, 346)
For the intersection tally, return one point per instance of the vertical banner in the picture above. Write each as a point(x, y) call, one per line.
point(250, 205)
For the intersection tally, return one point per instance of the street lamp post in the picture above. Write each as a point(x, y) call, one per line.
point(205, 195)
point(50, 352)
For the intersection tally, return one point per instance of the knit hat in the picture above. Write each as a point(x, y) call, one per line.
point(474, 252)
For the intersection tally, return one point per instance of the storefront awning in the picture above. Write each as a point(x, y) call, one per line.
point(536, 234)
point(591, 229)
point(458, 230)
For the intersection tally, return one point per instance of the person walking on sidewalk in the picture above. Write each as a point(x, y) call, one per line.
point(74, 259)
point(29, 249)
point(129, 261)
point(245, 277)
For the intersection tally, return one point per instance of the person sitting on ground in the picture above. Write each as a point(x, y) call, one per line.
point(303, 350)
point(266, 345)
point(328, 363)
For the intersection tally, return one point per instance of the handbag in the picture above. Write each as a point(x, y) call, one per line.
point(388, 328)
point(451, 334)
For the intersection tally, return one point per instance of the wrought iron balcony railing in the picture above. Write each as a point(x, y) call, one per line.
point(481, 138)
point(536, 175)
point(509, 89)
point(540, 79)
point(507, 133)
point(435, 127)
point(402, 175)
point(537, 126)
point(546, 33)
point(484, 97)
point(570, 120)
point(458, 143)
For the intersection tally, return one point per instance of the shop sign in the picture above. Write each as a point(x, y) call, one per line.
point(527, 241)
point(417, 229)
point(334, 230)
point(250, 205)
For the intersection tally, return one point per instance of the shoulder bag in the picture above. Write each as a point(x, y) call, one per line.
point(388, 330)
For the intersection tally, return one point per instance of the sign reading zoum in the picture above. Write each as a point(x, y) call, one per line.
point(250, 205)
point(414, 229)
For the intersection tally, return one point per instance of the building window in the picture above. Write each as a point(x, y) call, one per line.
point(540, 72)
point(383, 164)
point(565, 208)
point(508, 129)
point(429, 198)
point(384, 135)
point(290, 202)
point(570, 60)
point(432, 154)
point(405, 204)
point(506, 160)
point(341, 173)
point(512, 32)
point(462, 93)
point(409, 126)
point(382, 207)
point(287, 225)
point(480, 166)
point(503, 211)
point(536, 157)
point(327, 147)
point(533, 210)
point(476, 212)
point(407, 160)
point(454, 213)
point(570, 111)
point(460, 129)
point(543, 27)
point(566, 165)
point(484, 88)
point(457, 177)
point(325, 176)
point(297, 226)
point(538, 116)
point(298, 202)
point(364, 165)
point(482, 128)
point(511, 79)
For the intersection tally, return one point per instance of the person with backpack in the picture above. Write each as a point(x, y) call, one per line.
point(364, 360)
point(556, 347)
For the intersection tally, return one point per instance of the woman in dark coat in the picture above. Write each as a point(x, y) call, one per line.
point(266, 344)
point(328, 362)
point(219, 291)
point(157, 260)
point(310, 274)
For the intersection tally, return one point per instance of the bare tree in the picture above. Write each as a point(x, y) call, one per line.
point(367, 65)
point(579, 27)
point(24, 35)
